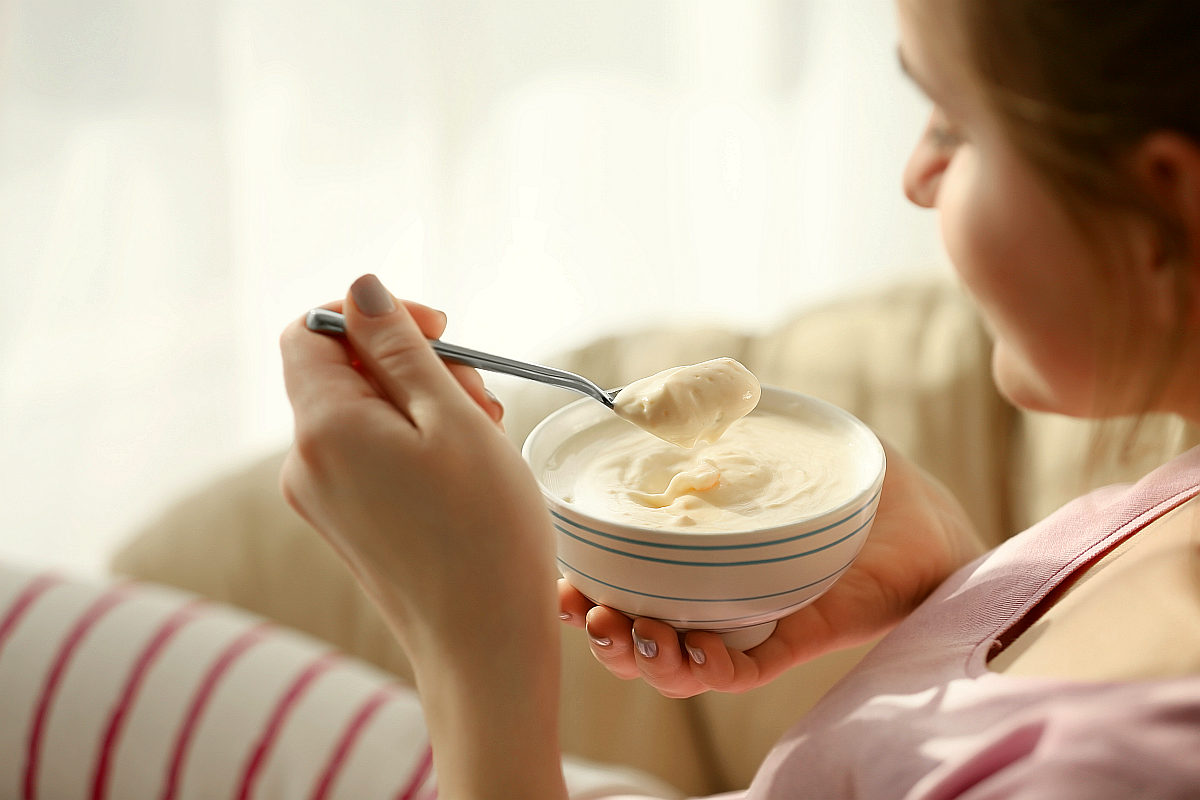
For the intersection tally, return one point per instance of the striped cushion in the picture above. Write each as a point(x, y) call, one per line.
point(132, 691)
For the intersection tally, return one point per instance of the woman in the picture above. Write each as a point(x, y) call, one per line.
point(1063, 158)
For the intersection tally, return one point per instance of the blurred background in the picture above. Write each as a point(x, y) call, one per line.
point(179, 180)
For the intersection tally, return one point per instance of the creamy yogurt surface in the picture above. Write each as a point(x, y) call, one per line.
point(768, 469)
point(691, 404)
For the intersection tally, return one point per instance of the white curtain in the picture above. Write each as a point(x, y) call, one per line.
point(178, 180)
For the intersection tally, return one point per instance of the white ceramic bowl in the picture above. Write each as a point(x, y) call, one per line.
point(734, 583)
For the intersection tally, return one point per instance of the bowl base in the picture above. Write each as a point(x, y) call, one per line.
point(748, 637)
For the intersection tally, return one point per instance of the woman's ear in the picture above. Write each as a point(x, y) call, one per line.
point(1167, 164)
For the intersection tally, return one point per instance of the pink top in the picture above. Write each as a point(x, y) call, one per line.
point(923, 717)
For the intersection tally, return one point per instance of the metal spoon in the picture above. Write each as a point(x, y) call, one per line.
point(322, 320)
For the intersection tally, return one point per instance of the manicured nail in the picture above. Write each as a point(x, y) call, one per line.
point(647, 647)
point(697, 654)
point(497, 412)
point(599, 641)
point(371, 297)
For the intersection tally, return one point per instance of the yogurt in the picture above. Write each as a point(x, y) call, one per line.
point(692, 404)
point(768, 469)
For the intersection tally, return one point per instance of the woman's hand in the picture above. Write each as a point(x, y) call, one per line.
point(920, 536)
point(398, 462)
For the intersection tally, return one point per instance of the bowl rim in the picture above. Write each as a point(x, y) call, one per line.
point(670, 538)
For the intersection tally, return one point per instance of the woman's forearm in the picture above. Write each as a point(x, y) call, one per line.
point(492, 709)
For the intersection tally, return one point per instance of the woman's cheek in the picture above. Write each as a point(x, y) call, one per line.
point(957, 222)
point(983, 243)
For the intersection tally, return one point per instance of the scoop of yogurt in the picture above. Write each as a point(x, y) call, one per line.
point(691, 404)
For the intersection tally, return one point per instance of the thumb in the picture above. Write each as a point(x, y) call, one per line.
point(395, 353)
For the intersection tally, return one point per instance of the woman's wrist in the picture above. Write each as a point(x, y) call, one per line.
point(493, 715)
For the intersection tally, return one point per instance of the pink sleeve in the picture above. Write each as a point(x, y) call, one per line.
point(1143, 741)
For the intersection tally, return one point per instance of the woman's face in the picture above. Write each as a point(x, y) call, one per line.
point(1048, 301)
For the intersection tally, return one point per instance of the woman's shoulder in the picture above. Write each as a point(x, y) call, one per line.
point(1134, 614)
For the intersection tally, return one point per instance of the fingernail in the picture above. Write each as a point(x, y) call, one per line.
point(371, 297)
point(599, 641)
point(497, 406)
point(696, 654)
point(647, 647)
point(565, 616)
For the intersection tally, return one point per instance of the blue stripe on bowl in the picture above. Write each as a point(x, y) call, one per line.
point(666, 546)
point(783, 593)
point(677, 562)
point(724, 623)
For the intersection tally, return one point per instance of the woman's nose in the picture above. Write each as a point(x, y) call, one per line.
point(923, 172)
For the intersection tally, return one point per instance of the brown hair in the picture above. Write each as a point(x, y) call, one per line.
point(1078, 85)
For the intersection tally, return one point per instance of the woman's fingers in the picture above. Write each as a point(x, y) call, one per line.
point(711, 662)
point(721, 669)
point(573, 607)
point(370, 306)
point(318, 372)
point(433, 324)
point(661, 660)
point(676, 666)
point(610, 636)
point(395, 351)
point(642, 648)
point(431, 321)
point(472, 381)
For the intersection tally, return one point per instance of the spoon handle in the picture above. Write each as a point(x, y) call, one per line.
point(322, 320)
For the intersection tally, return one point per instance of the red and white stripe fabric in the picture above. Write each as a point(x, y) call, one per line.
point(127, 691)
